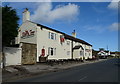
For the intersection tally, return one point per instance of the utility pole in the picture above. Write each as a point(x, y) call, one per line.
point(107, 47)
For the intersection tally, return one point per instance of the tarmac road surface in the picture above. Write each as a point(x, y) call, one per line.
point(104, 71)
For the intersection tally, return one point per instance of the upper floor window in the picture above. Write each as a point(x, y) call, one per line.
point(52, 36)
point(68, 42)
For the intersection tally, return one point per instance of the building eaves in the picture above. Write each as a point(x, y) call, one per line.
point(76, 39)
point(77, 47)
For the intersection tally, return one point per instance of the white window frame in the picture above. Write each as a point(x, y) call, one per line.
point(51, 50)
point(52, 36)
point(68, 42)
point(89, 54)
point(81, 53)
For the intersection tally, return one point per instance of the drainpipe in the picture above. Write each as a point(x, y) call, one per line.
point(84, 51)
point(83, 55)
point(72, 49)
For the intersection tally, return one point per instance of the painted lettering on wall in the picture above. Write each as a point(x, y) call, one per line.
point(27, 34)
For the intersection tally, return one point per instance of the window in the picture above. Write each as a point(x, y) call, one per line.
point(89, 54)
point(54, 51)
point(68, 52)
point(81, 53)
point(49, 35)
point(52, 36)
point(51, 51)
point(68, 42)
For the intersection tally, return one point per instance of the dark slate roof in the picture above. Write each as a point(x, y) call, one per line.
point(77, 47)
point(66, 35)
point(76, 39)
point(50, 28)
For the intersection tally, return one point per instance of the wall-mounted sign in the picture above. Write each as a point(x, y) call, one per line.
point(27, 34)
point(88, 50)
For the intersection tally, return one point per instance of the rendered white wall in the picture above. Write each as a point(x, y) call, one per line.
point(86, 54)
point(27, 26)
point(43, 40)
point(76, 54)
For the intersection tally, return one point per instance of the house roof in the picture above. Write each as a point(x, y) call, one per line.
point(112, 52)
point(66, 35)
point(76, 39)
point(77, 47)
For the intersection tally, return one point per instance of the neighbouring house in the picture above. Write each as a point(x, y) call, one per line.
point(103, 53)
point(115, 54)
point(40, 43)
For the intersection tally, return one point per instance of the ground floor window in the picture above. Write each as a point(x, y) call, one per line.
point(68, 52)
point(51, 51)
point(81, 53)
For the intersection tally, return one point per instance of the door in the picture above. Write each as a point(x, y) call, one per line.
point(29, 53)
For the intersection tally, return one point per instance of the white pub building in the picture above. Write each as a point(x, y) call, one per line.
point(40, 43)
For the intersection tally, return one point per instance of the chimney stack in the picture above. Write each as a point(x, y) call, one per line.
point(26, 15)
point(74, 34)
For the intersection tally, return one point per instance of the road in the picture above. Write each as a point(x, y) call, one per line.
point(104, 71)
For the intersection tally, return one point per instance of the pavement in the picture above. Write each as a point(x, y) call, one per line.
point(18, 72)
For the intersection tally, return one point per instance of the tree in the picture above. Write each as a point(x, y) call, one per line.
point(9, 25)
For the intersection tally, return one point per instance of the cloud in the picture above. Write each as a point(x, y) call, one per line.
point(96, 28)
point(46, 13)
point(113, 5)
point(101, 28)
point(114, 26)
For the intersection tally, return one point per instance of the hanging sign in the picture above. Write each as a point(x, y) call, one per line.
point(62, 39)
point(27, 34)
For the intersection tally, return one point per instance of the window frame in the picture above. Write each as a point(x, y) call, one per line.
point(51, 51)
point(68, 42)
point(52, 36)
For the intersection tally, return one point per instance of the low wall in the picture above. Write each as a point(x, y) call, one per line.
point(12, 56)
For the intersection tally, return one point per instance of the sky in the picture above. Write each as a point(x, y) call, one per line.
point(94, 22)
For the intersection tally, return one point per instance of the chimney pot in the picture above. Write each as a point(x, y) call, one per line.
point(74, 33)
